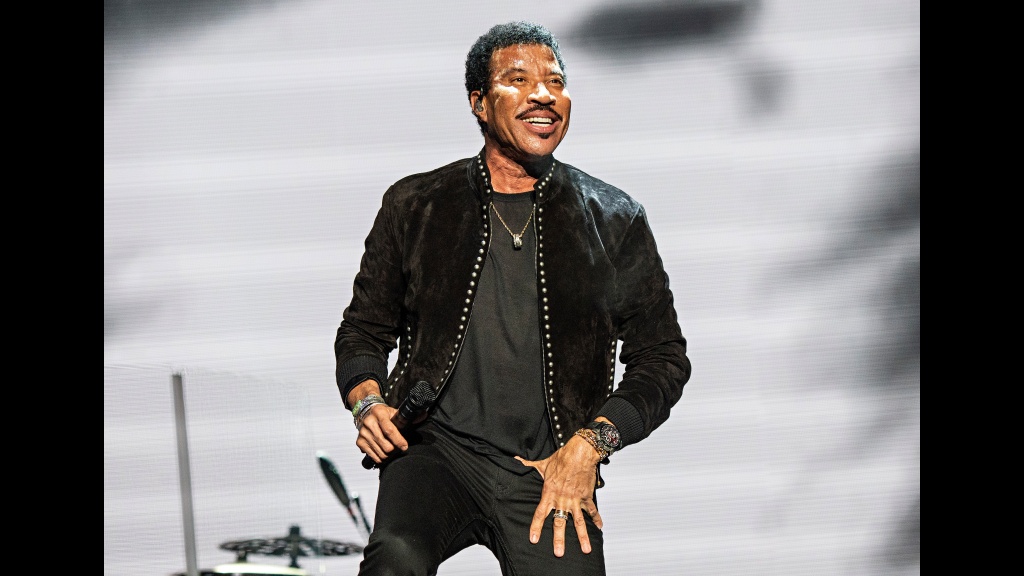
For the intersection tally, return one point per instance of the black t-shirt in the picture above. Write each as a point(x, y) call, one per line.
point(494, 402)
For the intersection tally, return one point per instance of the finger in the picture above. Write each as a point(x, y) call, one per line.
point(591, 507)
point(388, 429)
point(537, 524)
point(559, 540)
point(375, 447)
point(370, 434)
point(581, 529)
point(366, 448)
point(372, 429)
point(536, 465)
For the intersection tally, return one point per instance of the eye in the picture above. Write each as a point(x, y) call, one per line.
point(558, 82)
point(518, 80)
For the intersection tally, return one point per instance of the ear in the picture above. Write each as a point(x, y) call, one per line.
point(478, 105)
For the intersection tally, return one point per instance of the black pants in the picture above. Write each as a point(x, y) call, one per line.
point(440, 497)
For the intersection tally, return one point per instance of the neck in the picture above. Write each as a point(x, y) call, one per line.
point(510, 174)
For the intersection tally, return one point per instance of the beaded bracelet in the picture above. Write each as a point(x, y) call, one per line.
point(591, 437)
point(363, 406)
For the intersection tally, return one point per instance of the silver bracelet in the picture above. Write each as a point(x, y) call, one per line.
point(363, 407)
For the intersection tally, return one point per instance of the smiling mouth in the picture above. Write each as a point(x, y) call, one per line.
point(542, 115)
point(541, 126)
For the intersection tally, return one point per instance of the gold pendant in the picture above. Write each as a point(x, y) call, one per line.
point(517, 241)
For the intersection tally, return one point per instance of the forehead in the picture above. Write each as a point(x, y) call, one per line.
point(531, 57)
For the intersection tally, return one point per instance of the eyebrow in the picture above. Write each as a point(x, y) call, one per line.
point(508, 71)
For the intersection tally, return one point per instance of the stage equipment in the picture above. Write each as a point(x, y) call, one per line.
point(250, 569)
point(352, 504)
point(294, 546)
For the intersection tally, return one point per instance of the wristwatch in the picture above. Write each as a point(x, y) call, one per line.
point(603, 436)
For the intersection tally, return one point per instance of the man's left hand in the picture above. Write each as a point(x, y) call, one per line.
point(569, 477)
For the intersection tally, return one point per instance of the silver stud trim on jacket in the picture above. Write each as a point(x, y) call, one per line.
point(611, 367)
point(549, 374)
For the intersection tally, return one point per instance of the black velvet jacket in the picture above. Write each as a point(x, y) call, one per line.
point(600, 280)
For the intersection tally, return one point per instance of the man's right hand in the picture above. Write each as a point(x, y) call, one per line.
point(378, 437)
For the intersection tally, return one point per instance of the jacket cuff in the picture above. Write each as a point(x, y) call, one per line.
point(356, 370)
point(626, 418)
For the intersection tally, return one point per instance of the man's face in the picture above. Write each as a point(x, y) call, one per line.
point(526, 107)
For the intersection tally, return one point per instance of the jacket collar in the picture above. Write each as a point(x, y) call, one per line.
point(548, 186)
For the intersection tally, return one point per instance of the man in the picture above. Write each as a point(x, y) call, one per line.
point(505, 281)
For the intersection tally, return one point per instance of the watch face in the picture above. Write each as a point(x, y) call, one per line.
point(610, 436)
point(607, 435)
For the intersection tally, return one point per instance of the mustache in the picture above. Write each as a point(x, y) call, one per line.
point(539, 108)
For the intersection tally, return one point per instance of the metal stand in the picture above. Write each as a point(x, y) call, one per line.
point(185, 477)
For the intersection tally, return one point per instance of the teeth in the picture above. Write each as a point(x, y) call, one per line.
point(539, 120)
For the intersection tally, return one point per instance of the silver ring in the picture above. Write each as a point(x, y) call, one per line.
point(561, 514)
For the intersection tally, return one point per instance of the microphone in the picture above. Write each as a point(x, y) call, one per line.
point(338, 487)
point(420, 398)
point(334, 480)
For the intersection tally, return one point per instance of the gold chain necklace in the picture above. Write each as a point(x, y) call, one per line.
point(517, 239)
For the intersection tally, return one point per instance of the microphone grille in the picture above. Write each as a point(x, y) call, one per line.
point(422, 394)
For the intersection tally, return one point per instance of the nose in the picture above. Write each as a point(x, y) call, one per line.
point(542, 95)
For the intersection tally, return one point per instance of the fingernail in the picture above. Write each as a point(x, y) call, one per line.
point(533, 538)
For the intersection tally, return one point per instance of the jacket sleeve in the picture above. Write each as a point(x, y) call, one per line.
point(653, 349)
point(369, 327)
